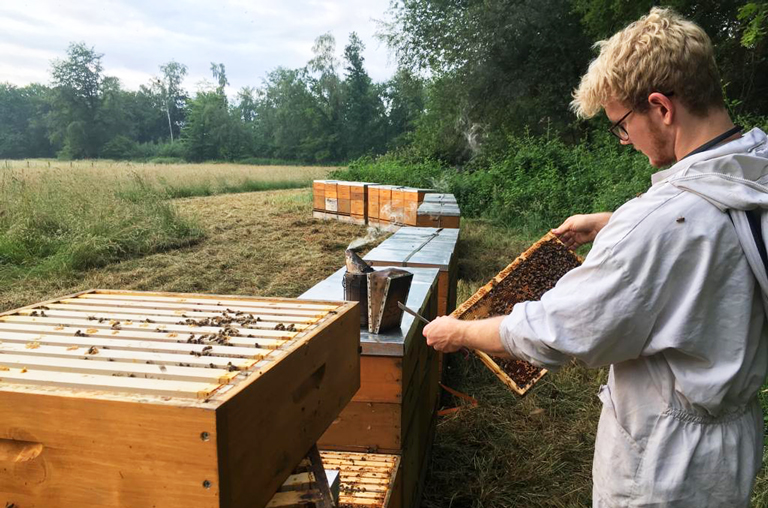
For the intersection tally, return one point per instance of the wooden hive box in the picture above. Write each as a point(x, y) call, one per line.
point(385, 203)
point(425, 248)
point(130, 399)
point(345, 197)
point(368, 480)
point(318, 195)
point(395, 409)
point(359, 202)
point(372, 192)
point(527, 278)
point(331, 197)
point(412, 198)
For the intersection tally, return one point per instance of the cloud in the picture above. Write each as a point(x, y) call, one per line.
point(250, 37)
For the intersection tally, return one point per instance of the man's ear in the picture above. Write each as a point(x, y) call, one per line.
point(663, 106)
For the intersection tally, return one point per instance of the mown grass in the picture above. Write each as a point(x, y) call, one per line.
point(60, 217)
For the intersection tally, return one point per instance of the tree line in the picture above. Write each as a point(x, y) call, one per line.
point(496, 68)
point(327, 111)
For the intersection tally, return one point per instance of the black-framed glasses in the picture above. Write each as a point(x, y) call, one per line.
point(619, 131)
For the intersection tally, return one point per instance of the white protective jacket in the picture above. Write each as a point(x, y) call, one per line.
point(673, 297)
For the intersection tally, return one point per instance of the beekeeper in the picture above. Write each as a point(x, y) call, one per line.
point(673, 293)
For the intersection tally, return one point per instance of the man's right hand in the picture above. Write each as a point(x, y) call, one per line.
point(580, 229)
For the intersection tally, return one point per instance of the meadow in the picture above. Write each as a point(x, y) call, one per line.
point(60, 217)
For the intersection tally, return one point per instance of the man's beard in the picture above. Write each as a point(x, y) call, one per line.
point(662, 149)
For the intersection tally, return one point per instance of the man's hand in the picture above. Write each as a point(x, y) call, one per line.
point(445, 334)
point(580, 229)
point(449, 334)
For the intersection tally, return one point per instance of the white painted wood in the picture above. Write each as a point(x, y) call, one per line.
point(138, 357)
point(143, 370)
point(184, 308)
point(111, 383)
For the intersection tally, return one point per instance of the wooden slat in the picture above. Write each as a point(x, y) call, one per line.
point(105, 355)
point(183, 308)
point(144, 345)
point(173, 372)
point(31, 333)
point(111, 383)
point(129, 327)
point(157, 316)
point(222, 302)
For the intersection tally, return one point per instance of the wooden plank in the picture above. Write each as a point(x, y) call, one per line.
point(310, 386)
point(66, 326)
point(114, 455)
point(365, 426)
point(146, 320)
point(373, 202)
point(182, 308)
point(172, 372)
point(219, 302)
point(33, 340)
point(381, 379)
point(159, 387)
point(106, 355)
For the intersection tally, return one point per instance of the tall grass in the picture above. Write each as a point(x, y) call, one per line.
point(177, 179)
point(60, 217)
point(53, 223)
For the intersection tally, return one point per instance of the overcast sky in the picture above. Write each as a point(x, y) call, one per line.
point(250, 37)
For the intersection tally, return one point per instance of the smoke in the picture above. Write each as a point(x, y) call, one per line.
point(371, 236)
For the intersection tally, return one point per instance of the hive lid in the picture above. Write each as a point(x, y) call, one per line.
point(171, 346)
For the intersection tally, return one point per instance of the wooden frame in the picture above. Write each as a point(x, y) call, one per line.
point(128, 413)
point(477, 307)
point(368, 480)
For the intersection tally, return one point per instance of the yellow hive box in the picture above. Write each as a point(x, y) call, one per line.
point(132, 399)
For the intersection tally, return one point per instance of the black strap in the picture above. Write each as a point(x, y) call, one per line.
point(757, 232)
point(715, 141)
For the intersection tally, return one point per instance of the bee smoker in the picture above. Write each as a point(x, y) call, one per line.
point(355, 283)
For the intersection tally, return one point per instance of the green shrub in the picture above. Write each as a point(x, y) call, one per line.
point(534, 184)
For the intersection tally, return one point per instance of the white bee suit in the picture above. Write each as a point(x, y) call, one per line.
point(673, 297)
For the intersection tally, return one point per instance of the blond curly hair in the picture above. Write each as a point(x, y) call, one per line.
point(661, 52)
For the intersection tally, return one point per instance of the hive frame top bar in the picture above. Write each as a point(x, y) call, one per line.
point(392, 342)
point(168, 348)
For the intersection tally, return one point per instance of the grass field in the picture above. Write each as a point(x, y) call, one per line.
point(534, 451)
point(57, 218)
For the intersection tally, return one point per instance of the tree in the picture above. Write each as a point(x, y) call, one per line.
point(362, 106)
point(172, 96)
point(326, 116)
point(220, 75)
point(77, 82)
point(406, 97)
point(505, 66)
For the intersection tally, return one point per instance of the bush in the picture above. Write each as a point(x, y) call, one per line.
point(119, 148)
point(534, 184)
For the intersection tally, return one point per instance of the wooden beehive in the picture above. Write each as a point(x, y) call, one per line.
point(344, 190)
point(395, 409)
point(527, 278)
point(373, 204)
point(318, 195)
point(130, 399)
